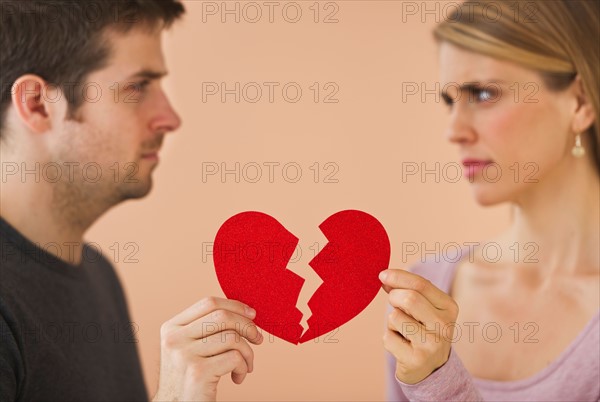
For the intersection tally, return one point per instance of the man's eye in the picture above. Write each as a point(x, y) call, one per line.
point(139, 86)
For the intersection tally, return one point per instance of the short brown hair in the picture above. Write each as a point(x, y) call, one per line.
point(62, 41)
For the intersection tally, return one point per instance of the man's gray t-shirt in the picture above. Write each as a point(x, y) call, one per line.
point(65, 331)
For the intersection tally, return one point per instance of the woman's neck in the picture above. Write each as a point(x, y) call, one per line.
point(560, 218)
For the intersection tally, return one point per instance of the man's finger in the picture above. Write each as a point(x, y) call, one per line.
point(223, 342)
point(207, 306)
point(229, 362)
point(222, 320)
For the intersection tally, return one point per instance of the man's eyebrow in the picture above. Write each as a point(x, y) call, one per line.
point(148, 74)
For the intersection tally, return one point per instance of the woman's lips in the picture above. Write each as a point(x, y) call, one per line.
point(472, 166)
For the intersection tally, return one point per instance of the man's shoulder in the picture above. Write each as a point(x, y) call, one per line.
point(93, 255)
point(99, 263)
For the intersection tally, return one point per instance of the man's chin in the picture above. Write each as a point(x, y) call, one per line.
point(129, 191)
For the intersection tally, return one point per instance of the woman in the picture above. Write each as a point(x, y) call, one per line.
point(528, 327)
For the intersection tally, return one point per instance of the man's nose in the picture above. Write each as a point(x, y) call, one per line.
point(167, 120)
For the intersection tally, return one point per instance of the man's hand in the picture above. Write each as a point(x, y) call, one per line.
point(420, 327)
point(203, 343)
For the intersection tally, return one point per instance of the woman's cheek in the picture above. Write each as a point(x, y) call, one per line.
point(501, 132)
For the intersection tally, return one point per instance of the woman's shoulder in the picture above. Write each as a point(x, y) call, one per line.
point(438, 269)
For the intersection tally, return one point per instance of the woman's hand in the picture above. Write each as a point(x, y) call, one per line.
point(420, 327)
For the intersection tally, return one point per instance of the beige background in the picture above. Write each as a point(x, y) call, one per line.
point(369, 53)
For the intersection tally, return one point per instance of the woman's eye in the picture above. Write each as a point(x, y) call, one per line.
point(478, 95)
point(448, 101)
point(483, 94)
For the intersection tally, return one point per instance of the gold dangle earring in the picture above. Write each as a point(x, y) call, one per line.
point(578, 150)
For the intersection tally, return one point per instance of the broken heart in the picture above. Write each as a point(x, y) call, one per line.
point(251, 254)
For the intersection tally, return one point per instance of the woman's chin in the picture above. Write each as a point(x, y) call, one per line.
point(486, 196)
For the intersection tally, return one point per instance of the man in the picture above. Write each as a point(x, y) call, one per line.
point(82, 120)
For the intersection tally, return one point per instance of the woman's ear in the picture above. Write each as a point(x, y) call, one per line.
point(34, 101)
point(584, 113)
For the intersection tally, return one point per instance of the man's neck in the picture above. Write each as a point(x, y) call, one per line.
point(35, 214)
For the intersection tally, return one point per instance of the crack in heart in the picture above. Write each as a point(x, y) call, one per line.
point(312, 281)
point(251, 253)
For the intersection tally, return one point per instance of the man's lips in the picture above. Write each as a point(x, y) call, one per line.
point(150, 155)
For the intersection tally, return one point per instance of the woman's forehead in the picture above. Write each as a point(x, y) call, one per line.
point(458, 65)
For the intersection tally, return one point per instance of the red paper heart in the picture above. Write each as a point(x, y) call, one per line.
point(251, 253)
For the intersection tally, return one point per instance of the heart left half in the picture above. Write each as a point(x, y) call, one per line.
point(251, 253)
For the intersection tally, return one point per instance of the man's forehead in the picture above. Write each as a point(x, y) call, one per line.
point(137, 53)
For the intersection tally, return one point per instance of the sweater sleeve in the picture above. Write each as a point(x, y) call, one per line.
point(11, 369)
point(450, 382)
point(393, 390)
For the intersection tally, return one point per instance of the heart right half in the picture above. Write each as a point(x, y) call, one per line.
point(358, 249)
point(349, 265)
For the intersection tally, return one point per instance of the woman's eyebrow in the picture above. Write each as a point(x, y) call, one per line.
point(470, 86)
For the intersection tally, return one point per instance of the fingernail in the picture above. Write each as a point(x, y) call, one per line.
point(382, 275)
point(250, 311)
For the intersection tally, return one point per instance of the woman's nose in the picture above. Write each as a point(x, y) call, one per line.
point(459, 128)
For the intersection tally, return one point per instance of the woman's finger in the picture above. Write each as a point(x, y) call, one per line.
point(401, 279)
point(397, 345)
point(405, 325)
point(415, 305)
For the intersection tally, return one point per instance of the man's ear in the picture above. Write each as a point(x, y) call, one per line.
point(584, 114)
point(34, 101)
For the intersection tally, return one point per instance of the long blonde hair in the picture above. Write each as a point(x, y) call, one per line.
point(556, 38)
